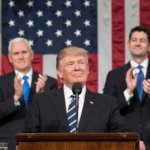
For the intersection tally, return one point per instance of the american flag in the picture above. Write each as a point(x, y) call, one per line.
point(51, 25)
point(100, 26)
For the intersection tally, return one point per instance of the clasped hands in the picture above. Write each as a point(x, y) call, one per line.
point(40, 84)
point(131, 82)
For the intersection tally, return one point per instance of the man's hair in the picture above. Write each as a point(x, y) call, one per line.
point(18, 39)
point(71, 50)
point(140, 29)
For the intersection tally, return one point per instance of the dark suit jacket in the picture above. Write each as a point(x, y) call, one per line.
point(12, 117)
point(47, 113)
point(136, 114)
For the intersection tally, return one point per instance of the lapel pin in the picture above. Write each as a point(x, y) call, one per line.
point(91, 102)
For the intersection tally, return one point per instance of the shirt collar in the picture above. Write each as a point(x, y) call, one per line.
point(29, 74)
point(144, 63)
point(68, 92)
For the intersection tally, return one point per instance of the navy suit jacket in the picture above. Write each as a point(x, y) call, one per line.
point(136, 114)
point(11, 117)
point(47, 113)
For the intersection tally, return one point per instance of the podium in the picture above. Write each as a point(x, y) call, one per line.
point(78, 141)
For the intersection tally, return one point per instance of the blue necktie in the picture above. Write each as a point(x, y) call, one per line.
point(139, 82)
point(26, 89)
point(72, 118)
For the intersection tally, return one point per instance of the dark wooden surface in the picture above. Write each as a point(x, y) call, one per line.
point(77, 141)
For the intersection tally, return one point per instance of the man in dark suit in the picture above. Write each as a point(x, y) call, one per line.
point(122, 82)
point(12, 104)
point(96, 112)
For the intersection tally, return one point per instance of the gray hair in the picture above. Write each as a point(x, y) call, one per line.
point(18, 39)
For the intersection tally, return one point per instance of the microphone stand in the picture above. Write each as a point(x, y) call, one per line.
point(77, 108)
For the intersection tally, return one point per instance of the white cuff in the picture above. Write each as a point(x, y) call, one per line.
point(17, 103)
point(127, 96)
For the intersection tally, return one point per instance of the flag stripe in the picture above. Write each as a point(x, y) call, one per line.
point(145, 13)
point(131, 20)
point(118, 33)
point(115, 20)
point(6, 65)
point(49, 65)
point(104, 41)
point(37, 63)
point(50, 26)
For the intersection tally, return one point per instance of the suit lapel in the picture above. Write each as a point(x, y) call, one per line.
point(127, 67)
point(59, 102)
point(10, 79)
point(88, 109)
point(147, 77)
point(124, 71)
point(148, 71)
point(33, 83)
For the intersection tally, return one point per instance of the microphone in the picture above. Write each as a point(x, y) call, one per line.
point(77, 89)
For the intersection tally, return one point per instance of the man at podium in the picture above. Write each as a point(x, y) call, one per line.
point(92, 112)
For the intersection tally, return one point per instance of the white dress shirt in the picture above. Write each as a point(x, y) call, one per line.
point(144, 65)
point(20, 75)
point(68, 92)
point(29, 75)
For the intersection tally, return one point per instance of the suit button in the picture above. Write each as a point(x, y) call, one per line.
point(140, 125)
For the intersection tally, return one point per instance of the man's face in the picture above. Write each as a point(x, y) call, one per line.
point(73, 68)
point(139, 45)
point(21, 57)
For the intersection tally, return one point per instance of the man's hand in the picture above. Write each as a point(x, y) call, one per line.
point(40, 84)
point(130, 80)
point(146, 86)
point(18, 88)
point(142, 145)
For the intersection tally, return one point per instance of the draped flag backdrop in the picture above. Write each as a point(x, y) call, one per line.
point(100, 26)
point(51, 25)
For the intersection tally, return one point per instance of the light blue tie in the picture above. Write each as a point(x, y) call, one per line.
point(26, 89)
point(139, 82)
point(72, 118)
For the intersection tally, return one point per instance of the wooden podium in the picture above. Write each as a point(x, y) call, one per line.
point(77, 141)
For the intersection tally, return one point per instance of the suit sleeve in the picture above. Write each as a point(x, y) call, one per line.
point(114, 87)
point(116, 121)
point(7, 106)
point(51, 84)
point(32, 122)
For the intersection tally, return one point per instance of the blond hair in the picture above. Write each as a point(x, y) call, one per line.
point(71, 50)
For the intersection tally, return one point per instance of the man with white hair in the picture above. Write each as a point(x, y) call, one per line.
point(14, 98)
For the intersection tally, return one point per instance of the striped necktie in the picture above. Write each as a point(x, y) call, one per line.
point(139, 82)
point(26, 89)
point(72, 118)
